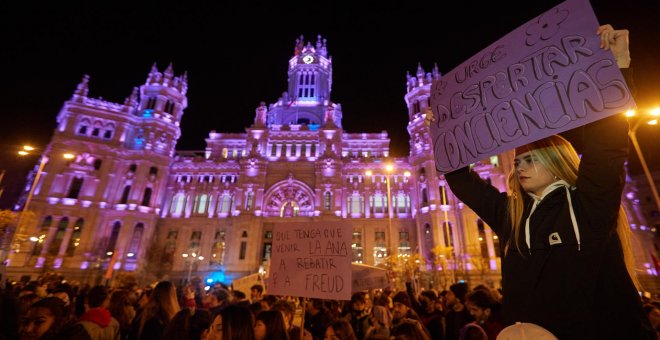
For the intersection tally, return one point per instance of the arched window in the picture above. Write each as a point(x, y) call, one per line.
point(201, 203)
point(43, 232)
point(97, 164)
point(379, 203)
point(226, 203)
point(153, 171)
point(132, 168)
point(107, 134)
point(218, 249)
point(243, 249)
point(135, 241)
point(177, 204)
point(249, 201)
point(425, 197)
point(56, 243)
point(327, 202)
point(355, 203)
point(112, 242)
point(74, 242)
point(146, 198)
point(448, 232)
point(402, 203)
point(151, 103)
point(74, 189)
point(124, 195)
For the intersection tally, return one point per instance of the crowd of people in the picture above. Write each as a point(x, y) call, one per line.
point(57, 309)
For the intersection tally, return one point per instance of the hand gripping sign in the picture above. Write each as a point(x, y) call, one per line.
point(547, 76)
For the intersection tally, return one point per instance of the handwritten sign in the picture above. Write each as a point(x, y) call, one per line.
point(547, 76)
point(311, 260)
point(245, 283)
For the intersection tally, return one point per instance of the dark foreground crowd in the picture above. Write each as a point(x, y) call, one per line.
point(58, 310)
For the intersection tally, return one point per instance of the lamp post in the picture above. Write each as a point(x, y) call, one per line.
point(633, 137)
point(389, 169)
point(193, 258)
point(19, 235)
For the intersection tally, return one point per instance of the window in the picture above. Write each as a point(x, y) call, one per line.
point(448, 233)
point(151, 103)
point(134, 246)
point(425, 197)
point(177, 204)
point(483, 241)
point(170, 246)
point(124, 195)
point(241, 255)
point(74, 242)
point(74, 189)
point(218, 249)
point(132, 168)
point(97, 164)
point(249, 201)
point(356, 245)
point(169, 106)
point(112, 242)
point(201, 203)
point(226, 203)
point(95, 132)
point(327, 202)
point(107, 134)
point(82, 130)
point(146, 198)
point(54, 248)
point(379, 203)
point(402, 203)
point(43, 232)
point(404, 243)
point(380, 251)
point(355, 204)
point(153, 171)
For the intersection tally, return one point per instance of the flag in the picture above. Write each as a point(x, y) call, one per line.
point(111, 266)
point(295, 99)
point(656, 263)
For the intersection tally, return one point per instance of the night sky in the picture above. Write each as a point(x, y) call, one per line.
point(236, 56)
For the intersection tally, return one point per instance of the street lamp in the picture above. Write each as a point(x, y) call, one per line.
point(389, 169)
point(193, 257)
point(653, 120)
point(19, 235)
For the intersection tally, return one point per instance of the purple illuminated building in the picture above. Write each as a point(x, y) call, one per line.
point(128, 200)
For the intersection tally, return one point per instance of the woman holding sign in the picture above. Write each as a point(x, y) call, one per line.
point(567, 263)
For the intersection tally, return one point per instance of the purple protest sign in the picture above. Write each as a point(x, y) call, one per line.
point(311, 260)
point(547, 76)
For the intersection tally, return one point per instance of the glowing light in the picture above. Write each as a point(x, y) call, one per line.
point(68, 156)
point(655, 112)
point(653, 122)
point(109, 253)
point(368, 173)
point(28, 148)
point(630, 113)
point(184, 255)
point(130, 254)
point(389, 167)
point(207, 288)
point(209, 280)
point(201, 257)
point(407, 173)
point(23, 153)
point(34, 239)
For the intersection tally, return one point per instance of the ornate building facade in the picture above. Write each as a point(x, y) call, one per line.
point(130, 202)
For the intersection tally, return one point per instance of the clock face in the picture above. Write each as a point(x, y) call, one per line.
point(308, 59)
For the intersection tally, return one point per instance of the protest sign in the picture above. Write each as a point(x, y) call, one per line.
point(245, 283)
point(368, 277)
point(311, 260)
point(547, 76)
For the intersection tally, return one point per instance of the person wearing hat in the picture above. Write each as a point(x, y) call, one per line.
point(402, 311)
point(457, 314)
point(567, 262)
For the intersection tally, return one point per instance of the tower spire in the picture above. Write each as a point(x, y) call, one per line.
point(83, 88)
point(169, 72)
point(131, 101)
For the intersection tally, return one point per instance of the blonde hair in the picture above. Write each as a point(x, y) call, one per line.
point(559, 157)
point(162, 304)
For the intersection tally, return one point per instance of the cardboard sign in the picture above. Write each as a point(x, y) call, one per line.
point(311, 260)
point(368, 277)
point(245, 283)
point(547, 76)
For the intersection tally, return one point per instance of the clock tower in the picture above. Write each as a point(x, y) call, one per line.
point(307, 98)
